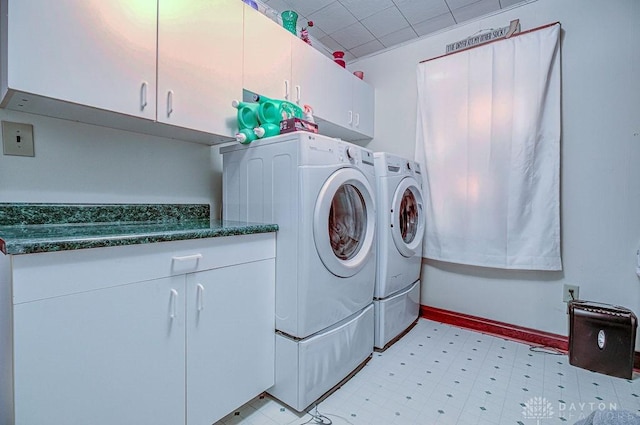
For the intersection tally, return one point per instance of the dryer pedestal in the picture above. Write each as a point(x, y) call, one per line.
point(306, 369)
point(395, 314)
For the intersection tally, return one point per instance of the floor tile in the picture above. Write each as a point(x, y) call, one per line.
point(440, 374)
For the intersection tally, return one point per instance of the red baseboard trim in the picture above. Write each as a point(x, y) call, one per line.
point(493, 327)
point(504, 330)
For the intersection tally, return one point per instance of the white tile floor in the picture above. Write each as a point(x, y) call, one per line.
point(440, 374)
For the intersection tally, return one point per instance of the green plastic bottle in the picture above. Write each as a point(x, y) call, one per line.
point(246, 136)
point(247, 114)
point(267, 130)
point(272, 111)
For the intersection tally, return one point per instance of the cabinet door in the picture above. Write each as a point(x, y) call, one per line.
point(199, 63)
point(104, 357)
point(267, 56)
point(363, 107)
point(230, 338)
point(91, 52)
point(320, 83)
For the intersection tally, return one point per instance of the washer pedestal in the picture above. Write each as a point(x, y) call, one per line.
point(306, 369)
point(393, 315)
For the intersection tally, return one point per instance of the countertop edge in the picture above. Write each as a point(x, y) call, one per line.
point(19, 247)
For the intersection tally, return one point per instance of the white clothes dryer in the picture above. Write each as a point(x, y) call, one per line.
point(320, 192)
point(401, 224)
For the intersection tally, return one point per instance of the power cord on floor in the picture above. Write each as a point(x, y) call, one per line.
point(317, 417)
point(546, 350)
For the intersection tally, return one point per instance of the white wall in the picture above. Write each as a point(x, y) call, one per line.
point(600, 188)
point(84, 163)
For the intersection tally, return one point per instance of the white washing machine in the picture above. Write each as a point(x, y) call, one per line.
point(401, 224)
point(320, 192)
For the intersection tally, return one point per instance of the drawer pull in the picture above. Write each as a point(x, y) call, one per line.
point(187, 257)
point(173, 301)
point(200, 297)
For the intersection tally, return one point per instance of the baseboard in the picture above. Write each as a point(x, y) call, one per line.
point(493, 327)
point(504, 330)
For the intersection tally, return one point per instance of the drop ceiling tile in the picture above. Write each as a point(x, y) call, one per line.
point(434, 24)
point(508, 3)
point(475, 10)
point(279, 5)
point(457, 4)
point(385, 22)
point(363, 8)
point(307, 7)
point(398, 37)
point(315, 31)
point(332, 18)
point(353, 35)
point(365, 49)
point(420, 10)
point(348, 56)
point(331, 44)
point(380, 18)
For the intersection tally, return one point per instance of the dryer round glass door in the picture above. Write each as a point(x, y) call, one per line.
point(407, 217)
point(344, 222)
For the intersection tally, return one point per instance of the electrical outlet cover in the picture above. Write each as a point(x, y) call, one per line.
point(17, 139)
point(566, 295)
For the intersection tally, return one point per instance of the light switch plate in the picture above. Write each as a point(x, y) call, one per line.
point(17, 139)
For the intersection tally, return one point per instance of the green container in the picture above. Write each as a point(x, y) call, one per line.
point(247, 114)
point(267, 130)
point(246, 135)
point(272, 111)
point(289, 21)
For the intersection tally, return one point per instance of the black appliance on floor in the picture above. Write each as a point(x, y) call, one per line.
point(602, 338)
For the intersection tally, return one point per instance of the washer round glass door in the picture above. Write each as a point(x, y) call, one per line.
point(407, 217)
point(344, 222)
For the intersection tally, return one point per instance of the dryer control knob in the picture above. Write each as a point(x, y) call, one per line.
point(351, 153)
point(408, 165)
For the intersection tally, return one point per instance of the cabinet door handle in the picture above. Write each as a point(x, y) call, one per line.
point(187, 257)
point(143, 95)
point(200, 297)
point(298, 96)
point(169, 103)
point(357, 124)
point(173, 301)
point(286, 89)
point(350, 117)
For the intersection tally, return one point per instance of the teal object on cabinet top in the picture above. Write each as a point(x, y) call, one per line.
point(289, 21)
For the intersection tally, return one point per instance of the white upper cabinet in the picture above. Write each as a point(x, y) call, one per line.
point(319, 82)
point(199, 64)
point(279, 65)
point(166, 67)
point(267, 56)
point(90, 52)
point(363, 105)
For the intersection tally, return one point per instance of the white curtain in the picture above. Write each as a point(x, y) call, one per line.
point(488, 136)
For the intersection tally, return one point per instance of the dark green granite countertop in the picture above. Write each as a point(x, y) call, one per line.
point(33, 228)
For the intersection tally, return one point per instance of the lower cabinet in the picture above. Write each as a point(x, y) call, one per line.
point(112, 356)
point(230, 338)
point(181, 349)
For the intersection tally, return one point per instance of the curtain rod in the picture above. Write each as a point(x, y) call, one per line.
point(493, 41)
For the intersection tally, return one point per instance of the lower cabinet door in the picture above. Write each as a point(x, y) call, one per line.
point(230, 338)
point(104, 357)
